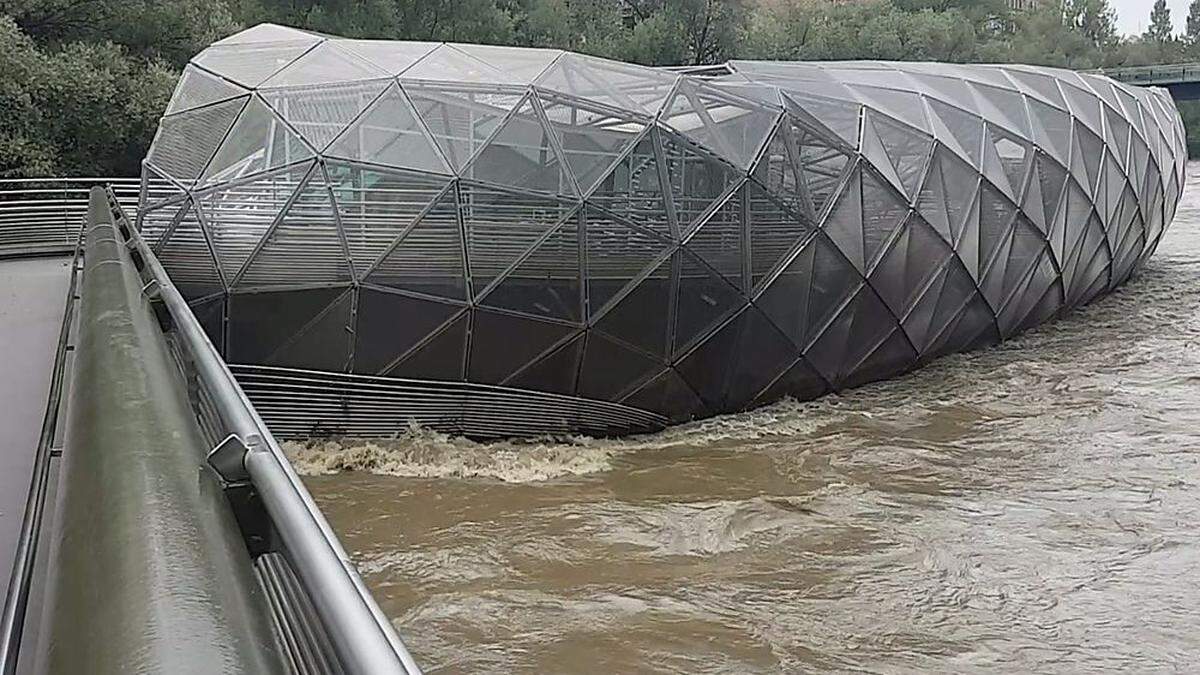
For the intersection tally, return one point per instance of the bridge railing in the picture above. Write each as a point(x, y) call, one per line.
point(42, 214)
point(1161, 74)
point(246, 452)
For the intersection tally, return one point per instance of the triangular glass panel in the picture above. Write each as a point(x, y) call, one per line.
point(1028, 293)
point(996, 214)
point(305, 247)
point(939, 304)
point(610, 83)
point(555, 372)
point(734, 128)
point(859, 328)
point(501, 226)
point(390, 325)
point(547, 282)
point(391, 56)
point(1015, 157)
point(907, 149)
point(521, 154)
point(1010, 269)
point(326, 63)
point(428, 257)
point(376, 206)
point(1051, 178)
point(762, 353)
point(616, 255)
point(633, 189)
point(1001, 106)
point(698, 182)
point(800, 381)
point(808, 292)
point(932, 199)
point(704, 299)
point(903, 105)
point(1117, 132)
point(610, 370)
point(269, 32)
point(775, 231)
point(718, 241)
point(450, 64)
point(198, 88)
point(239, 215)
point(822, 168)
point(321, 113)
point(1085, 160)
point(522, 64)
point(893, 356)
point(1051, 130)
point(460, 118)
point(389, 134)
point(883, 211)
point(907, 266)
point(876, 155)
point(669, 395)
point(1084, 105)
point(186, 142)
point(966, 244)
point(440, 357)
point(261, 323)
point(1040, 85)
point(973, 327)
point(323, 343)
point(707, 368)
point(250, 64)
point(591, 139)
point(839, 117)
point(777, 171)
point(187, 254)
point(502, 344)
point(641, 317)
point(258, 141)
point(965, 128)
point(844, 224)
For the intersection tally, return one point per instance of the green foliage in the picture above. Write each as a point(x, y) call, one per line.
point(84, 81)
point(1160, 22)
point(84, 109)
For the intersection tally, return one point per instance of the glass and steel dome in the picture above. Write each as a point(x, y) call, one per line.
point(680, 243)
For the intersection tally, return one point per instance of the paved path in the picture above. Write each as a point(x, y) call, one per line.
point(32, 296)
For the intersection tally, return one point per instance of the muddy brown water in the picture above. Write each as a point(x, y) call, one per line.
point(1031, 507)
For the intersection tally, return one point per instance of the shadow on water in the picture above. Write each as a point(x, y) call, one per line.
point(1028, 507)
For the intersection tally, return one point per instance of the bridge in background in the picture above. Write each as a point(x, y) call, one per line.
point(1181, 79)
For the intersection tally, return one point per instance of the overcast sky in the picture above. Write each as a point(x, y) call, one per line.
point(1134, 15)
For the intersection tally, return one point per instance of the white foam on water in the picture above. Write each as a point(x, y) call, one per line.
point(423, 453)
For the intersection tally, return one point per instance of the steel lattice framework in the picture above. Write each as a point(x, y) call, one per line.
point(682, 243)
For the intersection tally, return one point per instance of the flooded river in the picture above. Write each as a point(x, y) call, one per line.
point(1030, 507)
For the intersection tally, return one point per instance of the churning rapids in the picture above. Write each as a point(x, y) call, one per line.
point(1029, 507)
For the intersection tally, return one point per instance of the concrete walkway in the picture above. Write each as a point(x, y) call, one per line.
point(32, 296)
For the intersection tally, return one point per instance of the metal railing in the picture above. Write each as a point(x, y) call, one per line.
point(41, 214)
point(1162, 74)
point(362, 636)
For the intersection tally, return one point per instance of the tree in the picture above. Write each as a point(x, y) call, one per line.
point(1160, 23)
point(1193, 23)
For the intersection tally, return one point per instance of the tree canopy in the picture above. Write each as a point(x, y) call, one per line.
point(86, 80)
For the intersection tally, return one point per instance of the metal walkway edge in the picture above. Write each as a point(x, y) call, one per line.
point(181, 539)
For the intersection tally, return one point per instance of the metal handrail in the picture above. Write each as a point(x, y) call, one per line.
point(37, 214)
point(361, 634)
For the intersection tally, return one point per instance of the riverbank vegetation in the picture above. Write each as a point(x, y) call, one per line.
point(84, 81)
